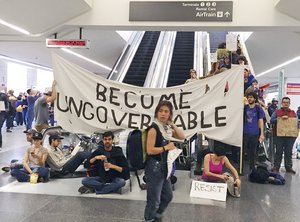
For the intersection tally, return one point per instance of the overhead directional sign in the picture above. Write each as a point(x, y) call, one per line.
point(68, 43)
point(215, 11)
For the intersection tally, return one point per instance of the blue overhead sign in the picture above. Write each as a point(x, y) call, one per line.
point(215, 11)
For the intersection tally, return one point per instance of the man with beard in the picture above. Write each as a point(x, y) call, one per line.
point(283, 143)
point(108, 168)
point(253, 127)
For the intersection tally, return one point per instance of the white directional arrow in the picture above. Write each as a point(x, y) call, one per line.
point(227, 14)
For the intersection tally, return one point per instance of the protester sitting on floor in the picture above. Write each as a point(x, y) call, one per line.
point(110, 168)
point(213, 167)
point(33, 162)
point(29, 134)
point(15, 162)
point(60, 163)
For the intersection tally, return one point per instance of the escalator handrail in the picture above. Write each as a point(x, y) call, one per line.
point(158, 73)
point(122, 65)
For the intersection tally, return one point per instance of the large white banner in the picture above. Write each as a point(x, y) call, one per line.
point(88, 103)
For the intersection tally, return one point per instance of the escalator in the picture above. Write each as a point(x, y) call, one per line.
point(183, 58)
point(139, 66)
point(215, 39)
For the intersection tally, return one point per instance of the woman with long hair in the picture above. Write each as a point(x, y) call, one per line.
point(159, 190)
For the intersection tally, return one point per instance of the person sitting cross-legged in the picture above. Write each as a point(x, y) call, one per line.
point(33, 162)
point(110, 168)
point(15, 163)
point(60, 163)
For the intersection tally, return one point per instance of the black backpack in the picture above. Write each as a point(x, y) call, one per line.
point(136, 153)
point(259, 174)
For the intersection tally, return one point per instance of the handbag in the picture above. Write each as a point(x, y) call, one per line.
point(19, 108)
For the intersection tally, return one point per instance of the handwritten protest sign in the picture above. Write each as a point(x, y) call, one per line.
point(206, 190)
point(287, 127)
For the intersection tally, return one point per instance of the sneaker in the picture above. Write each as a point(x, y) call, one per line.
point(6, 169)
point(275, 169)
point(119, 191)
point(40, 180)
point(158, 219)
point(291, 170)
point(85, 190)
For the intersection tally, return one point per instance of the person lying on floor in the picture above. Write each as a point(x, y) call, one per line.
point(33, 162)
point(107, 168)
point(213, 167)
point(58, 162)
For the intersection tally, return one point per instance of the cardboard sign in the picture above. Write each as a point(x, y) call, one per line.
point(206, 190)
point(287, 127)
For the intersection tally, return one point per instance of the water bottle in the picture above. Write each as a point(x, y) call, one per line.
point(105, 168)
point(66, 150)
point(236, 191)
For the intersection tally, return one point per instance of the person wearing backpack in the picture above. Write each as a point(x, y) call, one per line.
point(159, 190)
point(253, 131)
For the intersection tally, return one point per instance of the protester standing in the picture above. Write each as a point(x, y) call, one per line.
point(159, 190)
point(284, 143)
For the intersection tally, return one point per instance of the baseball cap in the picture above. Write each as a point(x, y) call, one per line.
point(37, 135)
point(30, 131)
point(48, 93)
point(55, 136)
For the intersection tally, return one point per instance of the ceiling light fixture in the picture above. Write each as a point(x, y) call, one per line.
point(86, 59)
point(14, 27)
point(26, 63)
point(279, 66)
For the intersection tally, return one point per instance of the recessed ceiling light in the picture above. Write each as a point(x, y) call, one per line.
point(14, 27)
point(279, 66)
point(86, 59)
point(25, 63)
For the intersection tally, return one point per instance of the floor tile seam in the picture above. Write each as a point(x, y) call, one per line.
point(101, 198)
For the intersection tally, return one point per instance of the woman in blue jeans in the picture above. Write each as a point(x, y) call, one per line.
point(33, 162)
point(159, 190)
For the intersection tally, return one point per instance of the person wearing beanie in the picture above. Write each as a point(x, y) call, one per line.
point(273, 106)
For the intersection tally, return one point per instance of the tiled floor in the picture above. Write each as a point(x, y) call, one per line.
point(59, 200)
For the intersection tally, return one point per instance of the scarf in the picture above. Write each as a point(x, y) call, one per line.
point(165, 129)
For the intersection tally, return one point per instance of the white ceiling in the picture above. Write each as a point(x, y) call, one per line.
point(42, 18)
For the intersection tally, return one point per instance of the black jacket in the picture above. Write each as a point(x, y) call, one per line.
point(116, 157)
